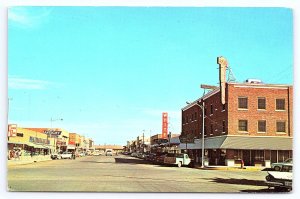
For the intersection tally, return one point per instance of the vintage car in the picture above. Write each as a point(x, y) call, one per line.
point(55, 156)
point(66, 155)
point(281, 180)
point(277, 166)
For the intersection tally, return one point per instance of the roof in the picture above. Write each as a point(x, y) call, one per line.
point(246, 85)
point(243, 142)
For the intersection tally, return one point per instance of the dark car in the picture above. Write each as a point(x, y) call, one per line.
point(55, 156)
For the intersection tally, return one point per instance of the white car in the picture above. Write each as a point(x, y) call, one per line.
point(66, 155)
point(277, 166)
point(281, 180)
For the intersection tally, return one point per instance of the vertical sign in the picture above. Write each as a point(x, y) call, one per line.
point(164, 125)
point(222, 76)
point(12, 130)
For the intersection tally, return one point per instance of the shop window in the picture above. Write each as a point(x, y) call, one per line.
point(243, 103)
point(261, 103)
point(243, 125)
point(280, 104)
point(261, 126)
point(237, 154)
point(259, 155)
point(280, 126)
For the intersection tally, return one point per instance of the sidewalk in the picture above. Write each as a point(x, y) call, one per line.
point(245, 168)
point(28, 160)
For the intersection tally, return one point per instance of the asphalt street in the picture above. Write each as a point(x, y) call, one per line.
point(127, 174)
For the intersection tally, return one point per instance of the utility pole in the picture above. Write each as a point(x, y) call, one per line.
point(143, 141)
point(202, 159)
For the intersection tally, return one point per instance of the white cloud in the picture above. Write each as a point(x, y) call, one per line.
point(28, 84)
point(28, 16)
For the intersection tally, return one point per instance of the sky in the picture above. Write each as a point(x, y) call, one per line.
point(110, 72)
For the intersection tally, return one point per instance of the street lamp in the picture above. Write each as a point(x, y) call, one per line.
point(202, 107)
point(53, 120)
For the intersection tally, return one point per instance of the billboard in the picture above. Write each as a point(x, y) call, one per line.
point(164, 134)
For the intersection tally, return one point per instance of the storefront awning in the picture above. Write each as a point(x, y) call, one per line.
point(12, 142)
point(243, 142)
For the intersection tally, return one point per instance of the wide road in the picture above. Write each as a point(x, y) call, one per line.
point(127, 174)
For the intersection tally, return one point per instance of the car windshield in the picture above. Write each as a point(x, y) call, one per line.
point(286, 168)
point(289, 161)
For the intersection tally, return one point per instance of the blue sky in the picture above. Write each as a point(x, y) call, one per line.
point(110, 72)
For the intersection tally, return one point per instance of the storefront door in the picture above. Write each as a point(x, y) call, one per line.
point(246, 158)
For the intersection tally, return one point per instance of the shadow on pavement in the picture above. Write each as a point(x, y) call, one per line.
point(131, 161)
point(268, 169)
point(97, 162)
point(239, 181)
point(262, 191)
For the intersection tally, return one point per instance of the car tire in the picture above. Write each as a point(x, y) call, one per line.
point(179, 164)
point(277, 168)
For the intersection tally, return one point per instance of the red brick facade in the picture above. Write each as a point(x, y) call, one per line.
point(264, 110)
point(223, 120)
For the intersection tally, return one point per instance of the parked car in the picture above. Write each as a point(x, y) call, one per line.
point(55, 156)
point(109, 152)
point(159, 159)
point(66, 155)
point(281, 180)
point(133, 154)
point(277, 166)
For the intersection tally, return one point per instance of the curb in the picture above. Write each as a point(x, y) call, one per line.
point(230, 168)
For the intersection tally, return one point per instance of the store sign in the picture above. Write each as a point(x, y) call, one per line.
point(71, 142)
point(164, 125)
point(12, 130)
point(52, 132)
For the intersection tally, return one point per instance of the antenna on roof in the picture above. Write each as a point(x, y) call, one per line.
point(231, 77)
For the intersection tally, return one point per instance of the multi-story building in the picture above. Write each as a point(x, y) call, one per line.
point(255, 124)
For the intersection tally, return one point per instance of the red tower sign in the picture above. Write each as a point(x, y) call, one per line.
point(164, 125)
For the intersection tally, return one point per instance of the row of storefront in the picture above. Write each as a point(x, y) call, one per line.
point(25, 143)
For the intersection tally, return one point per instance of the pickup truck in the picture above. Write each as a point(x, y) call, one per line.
point(281, 180)
point(177, 159)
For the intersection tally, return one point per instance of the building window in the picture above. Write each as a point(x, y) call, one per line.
point(280, 104)
point(280, 126)
point(243, 103)
point(261, 126)
point(211, 129)
point(196, 116)
point(261, 103)
point(223, 126)
point(211, 109)
point(192, 116)
point(243, 125)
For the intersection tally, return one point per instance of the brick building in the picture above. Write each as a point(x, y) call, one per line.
point(255, 124)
